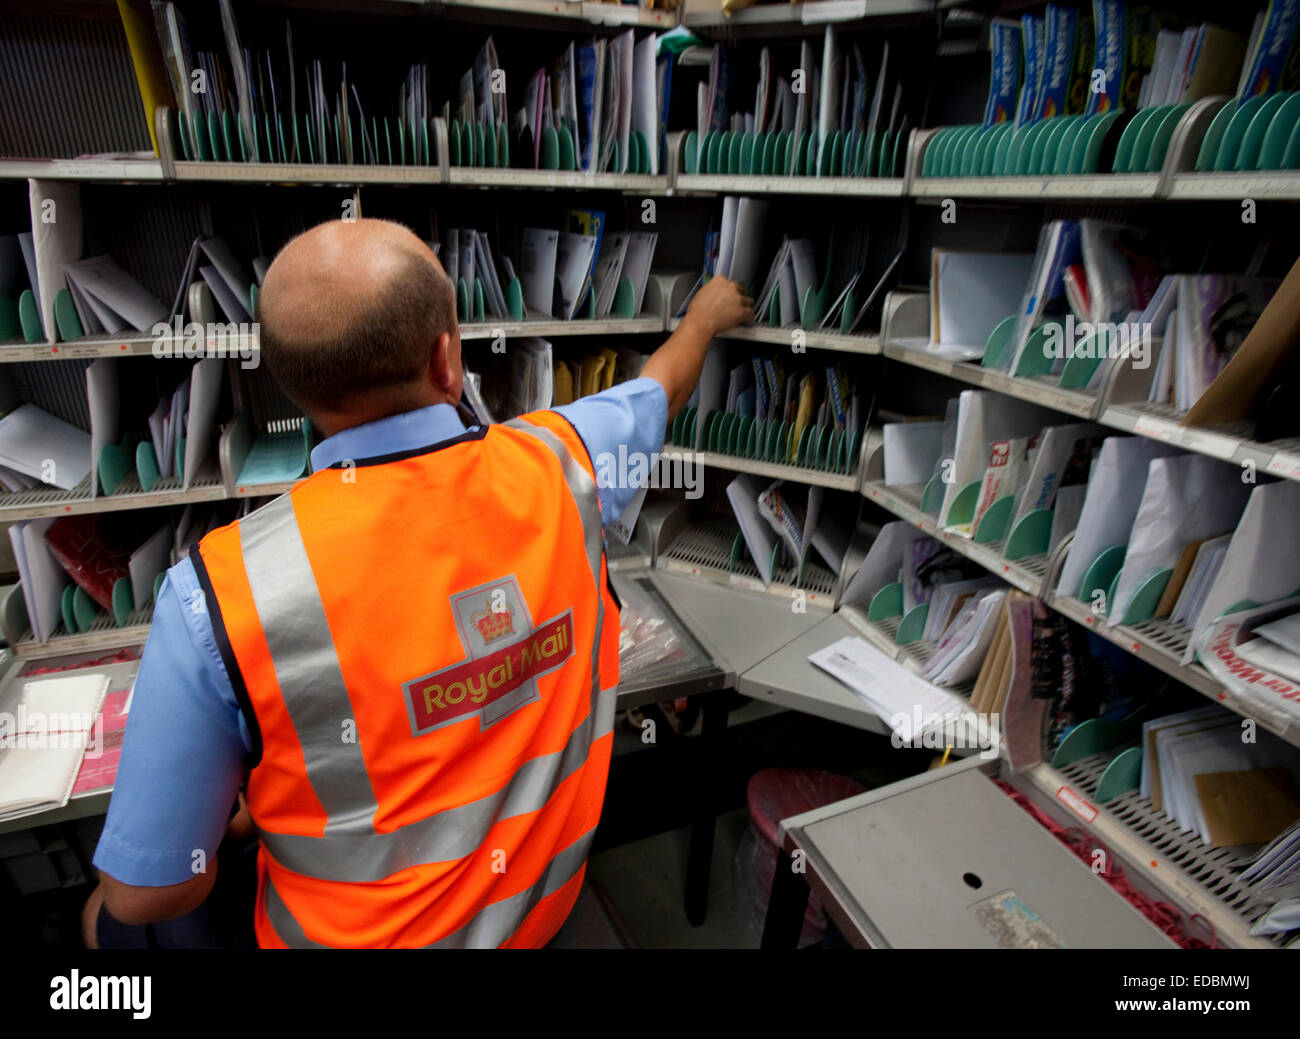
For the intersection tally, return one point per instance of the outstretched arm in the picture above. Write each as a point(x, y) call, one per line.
point(720, 304)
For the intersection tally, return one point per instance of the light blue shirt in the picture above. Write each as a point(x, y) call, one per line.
point(186, 739)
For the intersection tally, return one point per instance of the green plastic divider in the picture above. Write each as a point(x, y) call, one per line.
point(115, 462)
point(963, 505)
point(29, 317)
point(912, 626)
point(1110, 592)
point(515, 299)
point(1044, 130)
point(1101, 574)
point(1017, 156)
point(1031, 536)
point(1235, 131)
point(781, 158)
point(997, 517)
point(998, 346)
point(739, 552)
point(1123, 774)
point(887, 602)
point(747, 153)
point(1142, 607)
point(932, 496)
point(1162, 135)
point(1088, 738)
point(691, 152)
point(1128, 141)
point(567, 155)
point(1209, 150)
point(1272, 152)
point(65, 317)
point(1252, 141)
point(1087, 146)
point(1037, 358)
point(776, 556)
point(624, 299)
point(84, 609)
point(973, 160)
point(66, 611)
point(122, 602)
point(722, 160)
point(1079, 367)
point(549, 153)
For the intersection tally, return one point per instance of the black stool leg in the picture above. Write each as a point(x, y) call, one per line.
point(699, 860)
point(786, 906)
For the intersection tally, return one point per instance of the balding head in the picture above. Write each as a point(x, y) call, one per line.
point(358, 322)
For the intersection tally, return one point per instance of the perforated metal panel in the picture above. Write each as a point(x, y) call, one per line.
point(272, 411)
point(707, 544)
point(1213, 870)
point(67, 87)
point(59, 389)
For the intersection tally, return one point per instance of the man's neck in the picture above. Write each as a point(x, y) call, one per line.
point(332, 423)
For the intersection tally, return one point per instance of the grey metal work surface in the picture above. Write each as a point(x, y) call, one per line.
point(694, 671)
point(948, 860)
point(737, 626)
point(786, 677)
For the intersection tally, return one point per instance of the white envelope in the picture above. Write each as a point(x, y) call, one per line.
point(1111, 504)
point(1263, 559)
point(912, 452)
point(1186, 498)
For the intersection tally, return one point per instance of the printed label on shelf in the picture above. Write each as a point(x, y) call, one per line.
point(1077, 803)
point(833, 11)
point(1216, 445)
point(1285, 465)
point(612, 14)
point(676, 566)
point(752, 583)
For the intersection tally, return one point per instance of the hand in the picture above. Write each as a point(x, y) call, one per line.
point(720, 305)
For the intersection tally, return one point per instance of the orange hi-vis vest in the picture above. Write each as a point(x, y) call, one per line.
point(426, 649)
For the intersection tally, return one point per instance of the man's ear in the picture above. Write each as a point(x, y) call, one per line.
point(444, 368)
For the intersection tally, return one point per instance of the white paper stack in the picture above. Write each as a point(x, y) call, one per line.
point(38, 767)
point(894, 693)
point(108, 299)
point(37, 445)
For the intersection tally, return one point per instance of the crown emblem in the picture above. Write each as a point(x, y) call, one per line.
point(492, 625)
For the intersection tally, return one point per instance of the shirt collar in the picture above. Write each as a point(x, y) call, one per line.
point(408, 431)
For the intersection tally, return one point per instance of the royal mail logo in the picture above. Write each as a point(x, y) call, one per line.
point(494, 626)
point(505, 655)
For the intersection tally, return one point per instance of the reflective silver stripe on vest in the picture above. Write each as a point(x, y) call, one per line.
point(492, 926)
point(286, 926)
point(587, 498)
point(306, 665)
point(495, 923)
point(365, 856)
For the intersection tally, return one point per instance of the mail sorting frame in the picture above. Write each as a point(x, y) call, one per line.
point(1099, 185)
